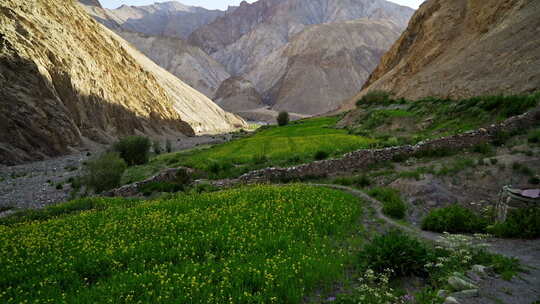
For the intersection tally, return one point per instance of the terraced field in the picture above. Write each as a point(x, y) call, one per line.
point(296, 143)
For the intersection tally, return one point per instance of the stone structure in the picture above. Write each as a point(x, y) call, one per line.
point(361, 159)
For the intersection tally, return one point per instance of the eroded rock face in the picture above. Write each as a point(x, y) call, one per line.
point(171, 18)
point(463, 48)
point(185, 61)
point(237, 94)
point(64, 77)
point(323, 65)
point(241, 39)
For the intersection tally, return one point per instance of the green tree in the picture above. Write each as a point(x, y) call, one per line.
point(283, 118)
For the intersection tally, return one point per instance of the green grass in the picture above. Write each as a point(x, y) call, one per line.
point(295, 143)
point(393, 205)
point(258, 244)
point(434, 117)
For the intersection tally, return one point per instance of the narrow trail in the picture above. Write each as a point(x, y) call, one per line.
point(522, 289)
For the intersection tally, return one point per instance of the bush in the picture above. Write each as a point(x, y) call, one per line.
point(105, 172)
point(534, 137)
point(375, 97)
point(320, 155)
point(156, 146)
point(283, 118)
point(168, 146)
point(397, 251)
point(259, 159)
point(133, 149)
point(393, 205)
point(484, 149)
point(454, 219)
point(522, 223)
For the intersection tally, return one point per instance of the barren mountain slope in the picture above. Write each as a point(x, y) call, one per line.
point(163, 19)
point(187, 62)
point(464, 48)
point(323, 65)
point(65, 77)
point(239, 40)
point(237, 94)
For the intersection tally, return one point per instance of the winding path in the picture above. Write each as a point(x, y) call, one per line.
point(523, 289)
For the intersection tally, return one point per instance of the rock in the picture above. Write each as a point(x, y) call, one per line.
point(458, 283)
point(98, 88)
point(470, 293)
point(442, 294)
point(450, 300)
point(446, 65)
point(482, 271)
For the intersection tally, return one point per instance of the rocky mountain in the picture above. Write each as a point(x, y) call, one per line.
point(240, 39)
point(463, 48)
point(171, 19)
point(323, 65)
point(65, 78)
point(304, 56)
point(237, 94)
point(185, 61)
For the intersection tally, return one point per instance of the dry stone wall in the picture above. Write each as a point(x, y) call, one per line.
point(357, 160)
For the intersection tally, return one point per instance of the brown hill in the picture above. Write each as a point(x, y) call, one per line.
point(463, 48)
point(64, 77)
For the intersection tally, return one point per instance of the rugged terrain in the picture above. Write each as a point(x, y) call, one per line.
point(269, 43)
point(170, 19)
point(461, 49)
point(185, 61)
point(322, 65)
point(65, 78)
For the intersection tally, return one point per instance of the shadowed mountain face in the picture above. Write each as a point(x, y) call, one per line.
point(463, 48)
point(64, 78)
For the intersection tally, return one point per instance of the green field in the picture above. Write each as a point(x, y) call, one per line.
point(258, 244)
point(272, 146)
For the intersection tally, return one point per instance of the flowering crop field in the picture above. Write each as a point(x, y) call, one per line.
point(258, 244)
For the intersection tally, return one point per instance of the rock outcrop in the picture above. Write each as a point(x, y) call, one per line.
point(463, 48)
point(64, 78)
point(323, 65)
point(185, 61)
point(237, 94)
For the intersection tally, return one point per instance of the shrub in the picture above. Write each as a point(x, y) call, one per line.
point(375, 97)
point(105, 172)
point(133, 149)
point(522, 223)
point(393, 205)
point(397, 251)
point(259, 159)
point(534, 137)
point(320, 155)
point(156, 146)
point(283, 118)
point(484, 149)
point(454, 219)
point(168, 146)
point(494, 161)
point(535, 180)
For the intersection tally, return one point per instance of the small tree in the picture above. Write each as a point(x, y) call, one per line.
point(134, 150)
point(283, 118)
point(105, 172)
point(168, 146)
point(157, 147)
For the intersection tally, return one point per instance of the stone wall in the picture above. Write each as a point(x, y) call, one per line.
point(357, 160)
point(362, 159)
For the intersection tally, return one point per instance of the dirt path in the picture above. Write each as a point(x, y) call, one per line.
point(522, 289)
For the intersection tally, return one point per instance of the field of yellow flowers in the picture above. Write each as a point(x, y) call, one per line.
point(258, 244)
